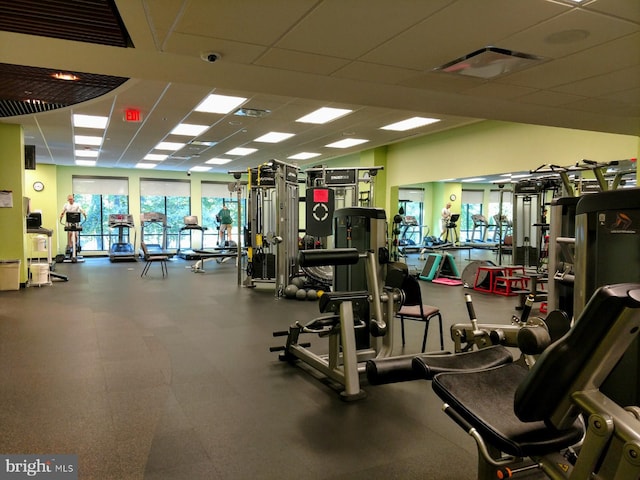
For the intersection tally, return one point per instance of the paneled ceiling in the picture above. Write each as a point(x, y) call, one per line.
point(290, 57)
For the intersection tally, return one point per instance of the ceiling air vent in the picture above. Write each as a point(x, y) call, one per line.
point(252, 112)
point(490, 62)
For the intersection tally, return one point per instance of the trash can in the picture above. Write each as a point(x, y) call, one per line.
point(40, 243)
point(39, 273)
point(9, 275)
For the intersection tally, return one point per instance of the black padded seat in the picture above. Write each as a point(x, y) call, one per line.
point(428, 366)
point(494, 417)
point(407, 368)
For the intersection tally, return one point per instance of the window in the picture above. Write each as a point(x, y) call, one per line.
point(170, 198)
point(213, 197)
point(495, 198)
point(471, 205)
point(100, 197)
point(412, 230)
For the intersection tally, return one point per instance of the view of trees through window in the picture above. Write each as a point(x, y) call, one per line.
point(96, 234)
point(211, 207)
point(167, 198)
point(175, 209)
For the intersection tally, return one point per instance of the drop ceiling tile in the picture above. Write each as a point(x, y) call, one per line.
point(615, 55)
point(549, 98)
point(196, 45)
point(457, 30)
point(439, 81)
point(619, 8)
point(495, 90)
point(630, 97)
point(300, 62)
point(574, 31)
point(604, 106)
point(608, 83)
point(371, 72)
point(248, 21)
point(375, 21)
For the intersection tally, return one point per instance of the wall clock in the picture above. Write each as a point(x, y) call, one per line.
point(38, 186)
point(452, 197)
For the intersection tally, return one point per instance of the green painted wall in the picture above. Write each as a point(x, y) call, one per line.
point(12, 220)
point(492, 147)
point(46, 201)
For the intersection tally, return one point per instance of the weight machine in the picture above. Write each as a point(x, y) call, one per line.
point(531, 198)
point(360, 308)
point(607, 176)
point(353, 186)
point(271, 236)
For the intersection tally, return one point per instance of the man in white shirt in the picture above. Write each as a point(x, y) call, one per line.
point(445, 216)
point(71, 206)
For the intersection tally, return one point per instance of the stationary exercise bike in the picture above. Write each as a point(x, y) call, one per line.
point(73, 224)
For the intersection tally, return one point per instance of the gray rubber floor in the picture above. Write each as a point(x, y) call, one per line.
point(172, 378)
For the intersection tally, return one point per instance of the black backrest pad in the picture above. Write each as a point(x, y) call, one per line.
point(396, 273)
point(333, 256)
point(412, 292)
point(559, 366)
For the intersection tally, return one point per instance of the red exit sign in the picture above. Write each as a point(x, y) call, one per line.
point(132, 115)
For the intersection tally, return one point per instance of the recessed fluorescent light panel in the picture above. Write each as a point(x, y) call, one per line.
point(241, 151)
point(475, 179)
point(218, 161)
point(173, 146)
point(189, 129)
point(490, 62)
point(324, 115)
point(303, 156)
point(200, 168)
point(410, 123)
point(86, 163)
point(347, 142)
point(274, 137)
point(145, 165)
point(155, 157)
point(219, 104)
point(90, 121)
point(87, 140)
point(86, 153)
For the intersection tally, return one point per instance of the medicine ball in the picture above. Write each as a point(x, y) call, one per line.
point(290, 291)
point(298, 281)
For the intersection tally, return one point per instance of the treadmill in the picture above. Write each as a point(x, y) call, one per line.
point(122, 249)
point(153, 221)
point(190, 225)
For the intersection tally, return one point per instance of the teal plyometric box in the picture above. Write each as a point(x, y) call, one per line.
point(438, 264)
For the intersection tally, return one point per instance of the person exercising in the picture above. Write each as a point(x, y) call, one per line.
point(225, 224)
point(445, 216)
point(71, 206)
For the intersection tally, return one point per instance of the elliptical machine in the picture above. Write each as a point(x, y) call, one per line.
point(73, 224)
